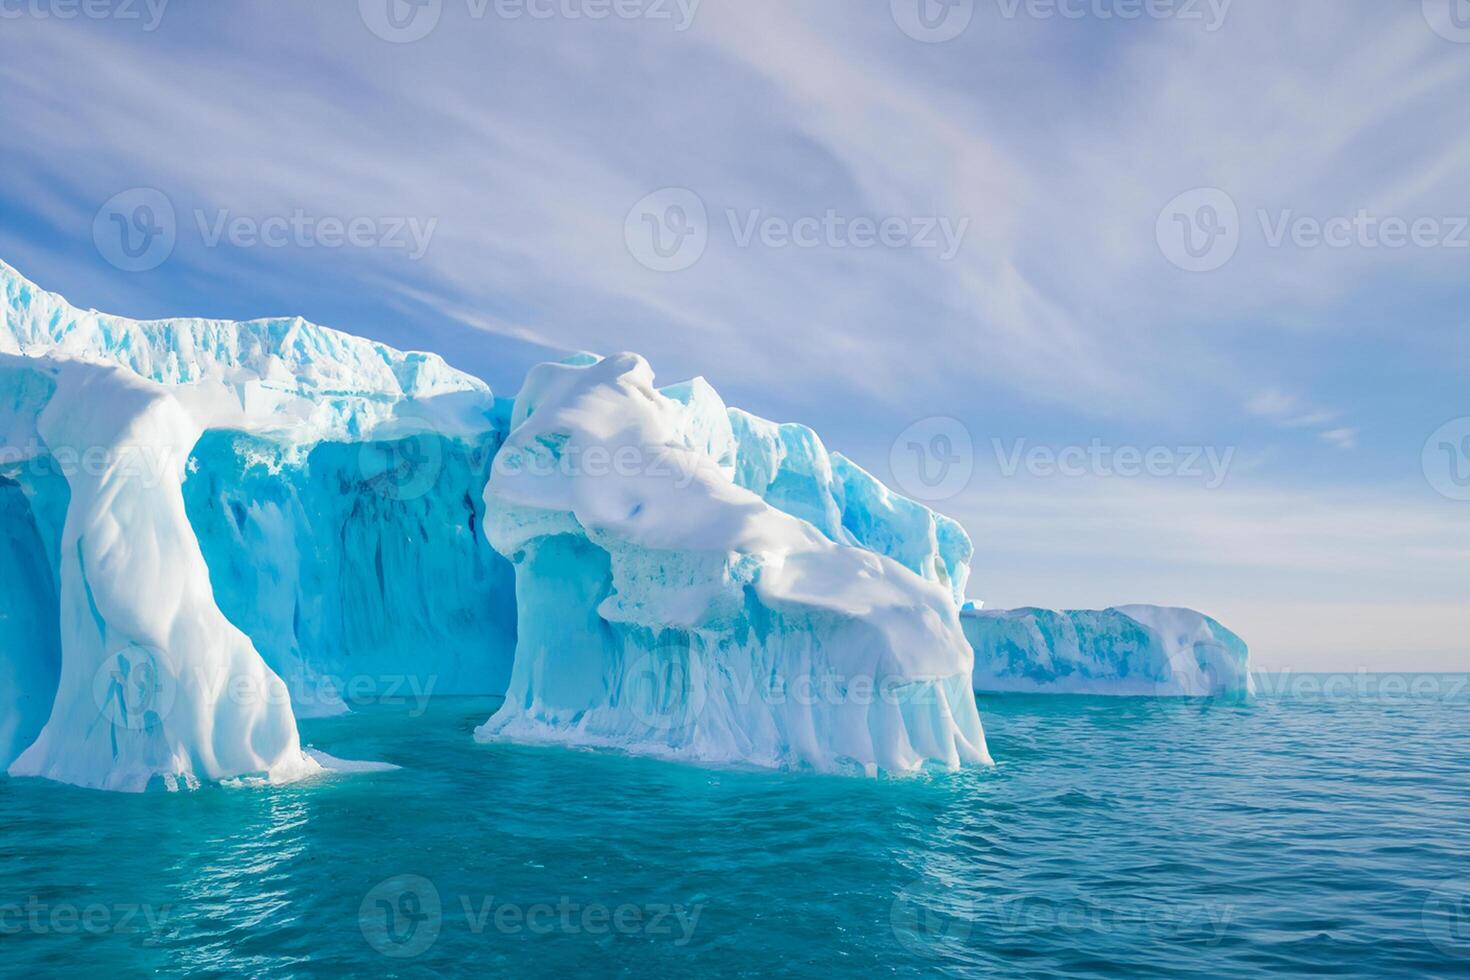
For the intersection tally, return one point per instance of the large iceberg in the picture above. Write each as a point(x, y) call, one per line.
point(1127, 650)
point(699, 584)
point(305, 520)
point(212, 529)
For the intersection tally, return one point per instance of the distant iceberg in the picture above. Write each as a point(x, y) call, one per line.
point(1127, 650)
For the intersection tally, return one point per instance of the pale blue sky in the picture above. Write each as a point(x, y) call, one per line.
point(1050, 142)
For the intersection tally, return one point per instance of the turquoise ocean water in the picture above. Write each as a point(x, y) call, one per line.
point(1310, 831)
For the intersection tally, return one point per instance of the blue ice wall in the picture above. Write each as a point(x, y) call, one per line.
point(30, 638)
point(360, 570)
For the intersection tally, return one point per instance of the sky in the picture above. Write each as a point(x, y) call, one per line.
point(1164, 300)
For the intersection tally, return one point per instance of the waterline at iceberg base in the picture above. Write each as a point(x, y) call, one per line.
point(215, 529)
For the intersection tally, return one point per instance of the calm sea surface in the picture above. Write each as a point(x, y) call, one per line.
point(1321, 830)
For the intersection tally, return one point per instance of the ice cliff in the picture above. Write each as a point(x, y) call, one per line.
point(667, 605)
point(1128, 650)
point(168, 484)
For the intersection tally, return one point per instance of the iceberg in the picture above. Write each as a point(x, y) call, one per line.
point(1126, 650)
point(167, 485)
point(698, 584)
point(212, 529)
